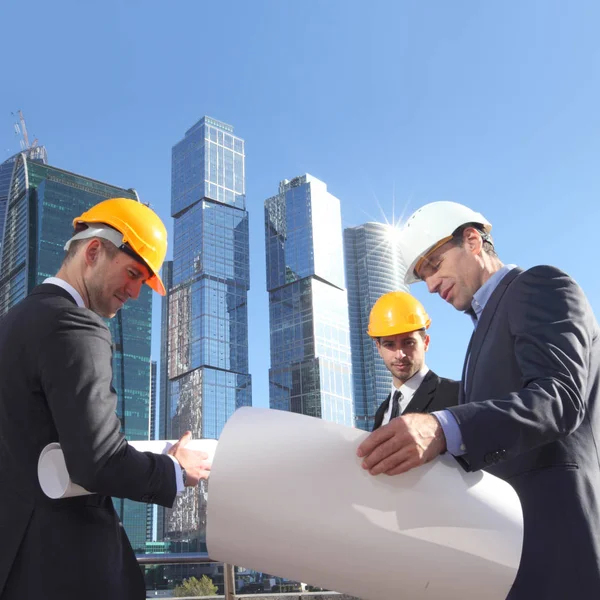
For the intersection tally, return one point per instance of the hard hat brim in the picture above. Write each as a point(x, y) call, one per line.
point(157, 285)
point(399, 330)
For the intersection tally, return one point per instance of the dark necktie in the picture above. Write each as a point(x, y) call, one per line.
point(396, 404)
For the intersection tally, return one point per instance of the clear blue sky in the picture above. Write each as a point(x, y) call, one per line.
point(393, 104)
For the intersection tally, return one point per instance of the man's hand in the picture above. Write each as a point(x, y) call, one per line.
point(193, 461)
point(404, 443)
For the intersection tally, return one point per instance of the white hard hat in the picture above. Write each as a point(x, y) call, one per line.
point(430, 227)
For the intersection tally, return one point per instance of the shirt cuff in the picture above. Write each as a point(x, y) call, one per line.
point(454, 441)
point(178, 475)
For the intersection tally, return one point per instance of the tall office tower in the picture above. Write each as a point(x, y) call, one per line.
point(164, 416)
point(374, 266)
point(310, 370)
point(152, 510)
point(208, 315)
point(154, 408)
point(42, 203)
point(36, 154)
point(164, 428)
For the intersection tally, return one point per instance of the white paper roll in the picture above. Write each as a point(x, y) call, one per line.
point(54, 478)
point(53, 475)
point(289, 497)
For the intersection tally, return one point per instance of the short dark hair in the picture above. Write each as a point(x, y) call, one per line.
point(488, 242)
point(74, 246)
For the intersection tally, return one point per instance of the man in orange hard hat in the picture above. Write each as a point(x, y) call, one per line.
point(398, 323)
point(56, 386)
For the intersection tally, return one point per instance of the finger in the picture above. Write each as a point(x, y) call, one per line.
point(393, 461)
point(372, 441)
point(204, 474)
point(387, 448)
point(184, 439)
point(181, 442)
point(407, 465)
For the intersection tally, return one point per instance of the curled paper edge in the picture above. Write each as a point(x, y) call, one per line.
point(52, 468)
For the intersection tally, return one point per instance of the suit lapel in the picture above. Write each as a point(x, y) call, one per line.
point(481, 330)
point(381, 412)
point(424, 394)
point(461, 387)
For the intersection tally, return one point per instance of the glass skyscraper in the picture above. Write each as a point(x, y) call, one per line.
point(207, 322)
point(374, 266)
point(164, 417)
point(311, 369)
point(42, 203)
point(37, 154)
point(152, 510)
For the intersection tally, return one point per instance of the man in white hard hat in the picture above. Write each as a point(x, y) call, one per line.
point(528, 407)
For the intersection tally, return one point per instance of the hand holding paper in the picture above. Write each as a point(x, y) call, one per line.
point(55, 481)
point(194, 462)
point(403, 444)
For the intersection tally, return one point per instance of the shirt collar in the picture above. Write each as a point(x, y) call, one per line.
point(483, 294)
point(68, 288)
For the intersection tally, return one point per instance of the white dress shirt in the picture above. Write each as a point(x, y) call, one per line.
point(408, 389)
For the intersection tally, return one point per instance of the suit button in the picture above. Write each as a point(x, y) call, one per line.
point(489, 458)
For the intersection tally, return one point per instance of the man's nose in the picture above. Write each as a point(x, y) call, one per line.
point(433, 283)
point(133, 289)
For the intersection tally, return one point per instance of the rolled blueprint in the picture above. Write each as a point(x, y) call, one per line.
point(288, 497)
point(54, 478)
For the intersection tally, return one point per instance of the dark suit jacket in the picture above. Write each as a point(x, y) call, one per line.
point(434, 393)
point(55, 385)
point(530, 415)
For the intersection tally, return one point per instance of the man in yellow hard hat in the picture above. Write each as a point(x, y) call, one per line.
point(529, 409)
point(398, 323)
point(56, 386)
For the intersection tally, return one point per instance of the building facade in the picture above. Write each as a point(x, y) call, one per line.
point(36, 154)
point(164, 416)
point(41, 204)
point(207, 320)
point(152, 510)
point(374, 266)
point(311, 369)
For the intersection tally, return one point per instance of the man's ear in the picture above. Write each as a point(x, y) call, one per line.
point(472, 240)
point(92, 252)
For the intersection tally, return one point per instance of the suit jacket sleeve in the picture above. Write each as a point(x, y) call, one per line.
point(552, 326)
point(75, 366)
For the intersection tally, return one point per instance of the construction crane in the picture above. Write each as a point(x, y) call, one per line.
point(22, 131)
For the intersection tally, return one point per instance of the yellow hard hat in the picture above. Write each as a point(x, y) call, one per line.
point(144, 234)
point(397, 312)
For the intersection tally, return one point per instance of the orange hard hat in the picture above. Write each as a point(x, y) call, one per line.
point(397, 312)
point(144, 234)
